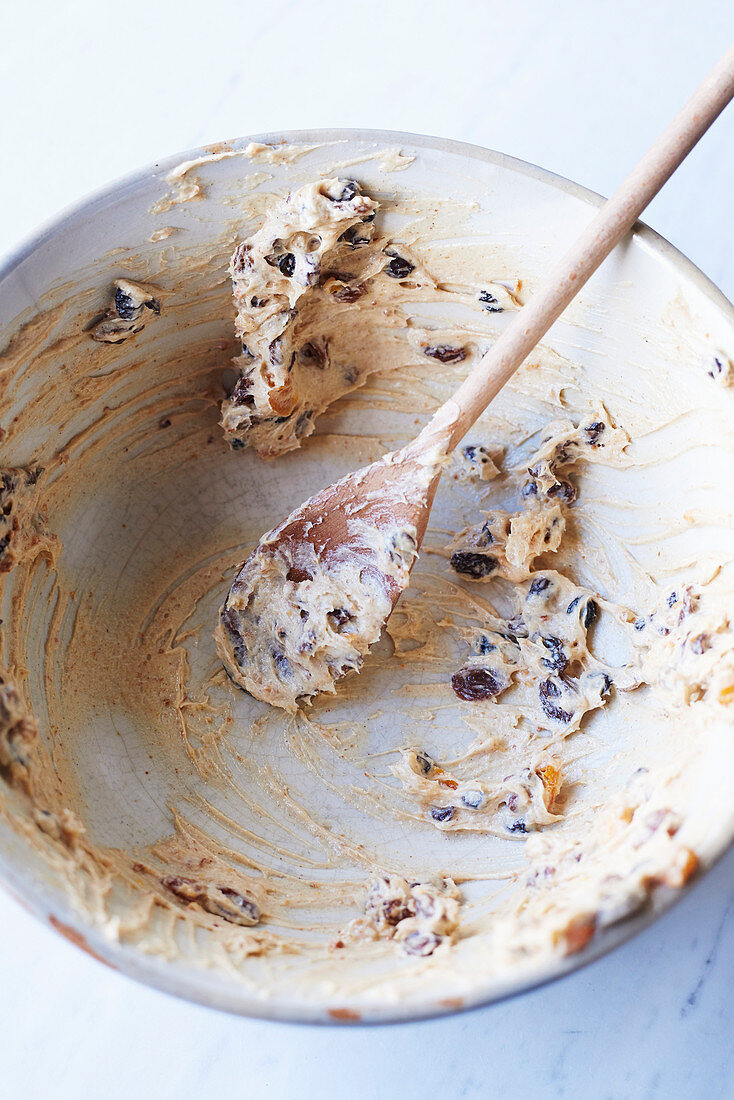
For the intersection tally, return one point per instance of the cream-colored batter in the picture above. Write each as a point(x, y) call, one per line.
point(291, 627)
point(542, 726)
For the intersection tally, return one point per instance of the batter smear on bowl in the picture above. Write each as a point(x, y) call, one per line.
point(532, 751)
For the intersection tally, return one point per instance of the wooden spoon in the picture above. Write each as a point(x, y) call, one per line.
point(314, 595)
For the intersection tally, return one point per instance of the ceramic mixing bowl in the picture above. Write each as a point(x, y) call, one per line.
point(133, 513)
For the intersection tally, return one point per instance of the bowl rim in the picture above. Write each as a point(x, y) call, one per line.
point(188, 982)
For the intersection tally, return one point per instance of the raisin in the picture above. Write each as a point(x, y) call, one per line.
point(593, 431)
point(591, 613)
point(315, 354)
point(482, 646)
point(235, 907)
point(231, 621)
point(348, 294)
point(489, 302)
point(471, 564)
point(355, 236)
point(303, 422)
point(485, 536)
point(296, 575)
point(247, 908)
point(549, 691)
point(565, 491)
point(257, 303)
point(607, 684)
point(394, 911)
point(472, 684)
point(241, 395)
point(518, 826)
point(184, 888)
point(339, 616)
point(275, 351)
point(399, 268)
point(558, 659)
point(425, 762)
point(442, 813)
point(529, 489)
point(164, 422)
point(237, 444)
point(124, 305)
point(476, 453)
point(518, 627)
point(241, 260)
point(672, 598)
point(421, 943)
point(445, 353)
point(281, 662)
point(349, 189)
point(287, 264)
point(308, 642)
point(472, 799)
point(539, 585)
point(639, 624)
point(574, 603)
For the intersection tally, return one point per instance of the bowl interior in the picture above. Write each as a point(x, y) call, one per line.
point(145, 512)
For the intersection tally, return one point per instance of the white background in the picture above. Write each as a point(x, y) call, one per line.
point(89, 91)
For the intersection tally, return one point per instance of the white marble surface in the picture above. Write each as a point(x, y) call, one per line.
point(90, 91)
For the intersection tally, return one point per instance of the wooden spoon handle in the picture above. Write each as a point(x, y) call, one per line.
point(613, 220)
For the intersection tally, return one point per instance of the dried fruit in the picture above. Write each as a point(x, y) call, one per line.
point(315, 354)
point(445, 353)
point(281, 662)
point(425, 762)
point(339, 616)
point(442, 813)
point(348, 191)
point(473, 684)
point(577, 934)
point(551, 778)
point(356, 235)
point(241, 393)
point(348, 294)
point(563, 490)
point(287, 264)
point(124, 304)
point(399, 267)
point(421, 943)
point(540, 584)
point(221, 901)
point(489, 302)
point(472, 564)
point(124, 315)
point(549, 691)
point(557, 659)
point(472, 799)
point(298, 575)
